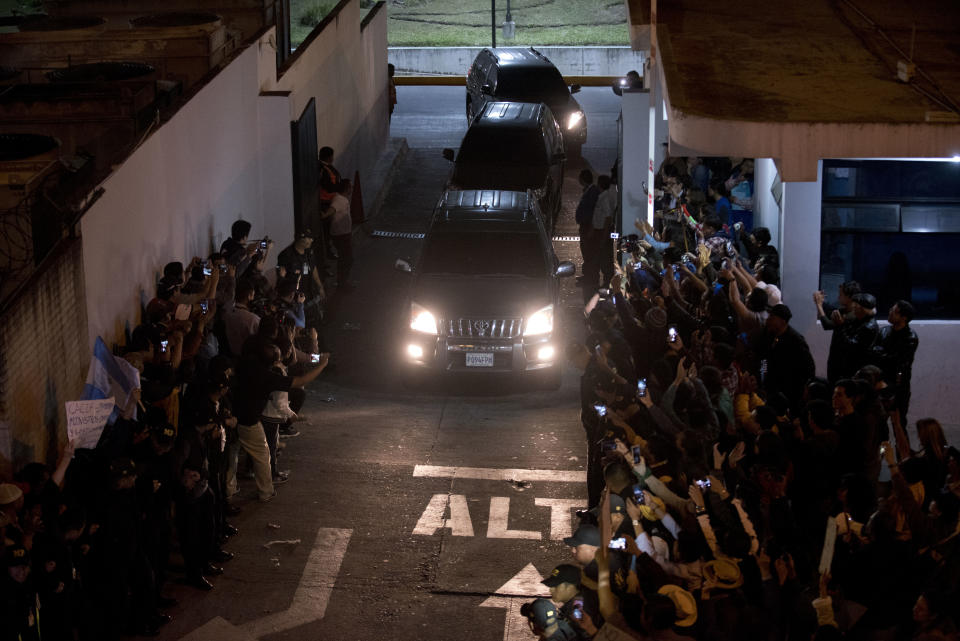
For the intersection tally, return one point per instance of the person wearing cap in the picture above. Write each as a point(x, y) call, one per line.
point(297, 260)
point(789, 363)
point(545, 622)
point(894, 351)
point(19, 606)
point(564, 584)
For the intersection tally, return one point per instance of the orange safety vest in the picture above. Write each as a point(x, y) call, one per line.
point(334, 178)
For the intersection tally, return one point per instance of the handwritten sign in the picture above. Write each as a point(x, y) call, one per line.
point(86, 419)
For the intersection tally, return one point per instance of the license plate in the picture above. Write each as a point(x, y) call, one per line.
point(479, 359)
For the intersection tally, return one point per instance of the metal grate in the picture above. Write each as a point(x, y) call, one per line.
point(483, 327)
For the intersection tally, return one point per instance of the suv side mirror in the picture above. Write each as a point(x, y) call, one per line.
point(486, 89)
point(448, 154)
point(574, 88)
point(566, 268)
point(403, 265)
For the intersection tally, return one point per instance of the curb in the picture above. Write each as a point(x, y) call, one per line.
point(385, 169)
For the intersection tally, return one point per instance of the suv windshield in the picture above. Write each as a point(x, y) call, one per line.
point(483, 253)
point(495, 144)
point(540, 84)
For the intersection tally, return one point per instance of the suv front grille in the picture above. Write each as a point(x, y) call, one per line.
point(483, 328)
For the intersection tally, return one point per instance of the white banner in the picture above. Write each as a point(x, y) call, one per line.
point(86, 419)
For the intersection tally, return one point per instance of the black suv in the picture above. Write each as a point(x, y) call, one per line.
point(485, 291)
point(525, 75)
point(513, 146)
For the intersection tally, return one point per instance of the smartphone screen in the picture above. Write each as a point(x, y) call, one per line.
point(642, 387)
point(207, 271)
point(638, 495)
point(203, 306)
point(636, 453)
point(314, 358)
point(618, 544)
point(263, 244)
point(223, 267)
point(601, 410)
point(163, 345)
point(672, 333)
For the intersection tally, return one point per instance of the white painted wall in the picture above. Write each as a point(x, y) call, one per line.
point(345, 69)
point(176, 196)
point(571, 61)
point(766, 212)
point(225, 155)
point(934, 373)
point(635, 116)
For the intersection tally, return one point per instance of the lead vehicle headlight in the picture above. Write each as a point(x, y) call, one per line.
point(541, 322)
point(421, 320)
point(574, 119)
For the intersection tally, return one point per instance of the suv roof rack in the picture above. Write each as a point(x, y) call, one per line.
point(487, 204)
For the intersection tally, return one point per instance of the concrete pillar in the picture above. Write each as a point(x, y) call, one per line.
point(766, 211)
point(800, 250)
point(635, 115)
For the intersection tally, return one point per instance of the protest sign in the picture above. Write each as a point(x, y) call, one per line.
point(86, 419)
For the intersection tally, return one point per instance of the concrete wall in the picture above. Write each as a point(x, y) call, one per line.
point(43, 361)
point(571, 61)
point(176, 196)
point(226, 154)
point(934, 373)
point(345, 69)
point(766, 211)
point(635, 114)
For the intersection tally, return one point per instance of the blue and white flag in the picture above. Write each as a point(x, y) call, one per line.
point(110, 376)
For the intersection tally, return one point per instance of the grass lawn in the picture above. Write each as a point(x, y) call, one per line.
point(451, 23)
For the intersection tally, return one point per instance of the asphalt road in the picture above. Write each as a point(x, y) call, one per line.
point(403, 518)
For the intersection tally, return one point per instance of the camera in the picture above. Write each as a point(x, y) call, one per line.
point(204, 306)
point(604, 291)
point(206, 268)
point(314, 358)
point(608, 445)
point(263, 244)
point(223, 268)
point(636, 453)
point(163, 345)
point(672, 333)
point(642, 387)
point(638, 495)
point(618, 544)
point(704, 484)
point(601, 410)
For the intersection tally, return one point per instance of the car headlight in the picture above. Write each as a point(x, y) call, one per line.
point(574, 119)
point(541, 322)
point(421, 320)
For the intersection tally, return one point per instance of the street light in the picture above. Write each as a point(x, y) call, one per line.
point(509, 26)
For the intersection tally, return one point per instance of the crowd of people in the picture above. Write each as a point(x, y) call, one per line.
point(224, 350)
point(734, 494)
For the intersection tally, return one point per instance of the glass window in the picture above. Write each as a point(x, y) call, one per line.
point(894, 227)
point(484, 254)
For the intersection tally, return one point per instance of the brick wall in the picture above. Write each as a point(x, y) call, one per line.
point(44, 355)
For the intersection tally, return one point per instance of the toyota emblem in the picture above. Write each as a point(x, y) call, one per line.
point(481, 327)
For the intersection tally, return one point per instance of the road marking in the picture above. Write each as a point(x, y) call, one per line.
point(309, 601)
point(497, 527)
point(316, 585)
point(493, 474)
point(396, 234)
point(560, 522)
point(433, 519)
point(519, 589)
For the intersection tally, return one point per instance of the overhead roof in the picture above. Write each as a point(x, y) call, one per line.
point(800, 80)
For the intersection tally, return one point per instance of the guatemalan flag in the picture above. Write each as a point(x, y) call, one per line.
point(110, 376)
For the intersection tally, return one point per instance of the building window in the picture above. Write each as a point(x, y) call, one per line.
point(894, 226)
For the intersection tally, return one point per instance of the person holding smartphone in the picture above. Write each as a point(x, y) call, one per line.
point(564, 584)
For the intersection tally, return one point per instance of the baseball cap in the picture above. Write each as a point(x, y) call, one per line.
point(17, 555)
point(684, 602)
point(305, 233)
point(617, 505)
point(165, 434)
point(542, 612)
point(122, 467)
point(9, 493)
point(563, 573)
point(586, 534)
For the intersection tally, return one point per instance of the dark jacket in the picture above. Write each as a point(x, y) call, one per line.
point(893, 353)
point(789, 365)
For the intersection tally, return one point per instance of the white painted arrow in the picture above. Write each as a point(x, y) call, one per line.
point(309, 601)
point(511, 595)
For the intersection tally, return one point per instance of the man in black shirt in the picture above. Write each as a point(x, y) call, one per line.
point(789, 364)
point(297, 260)
point(894, 352)
point(255, 382)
